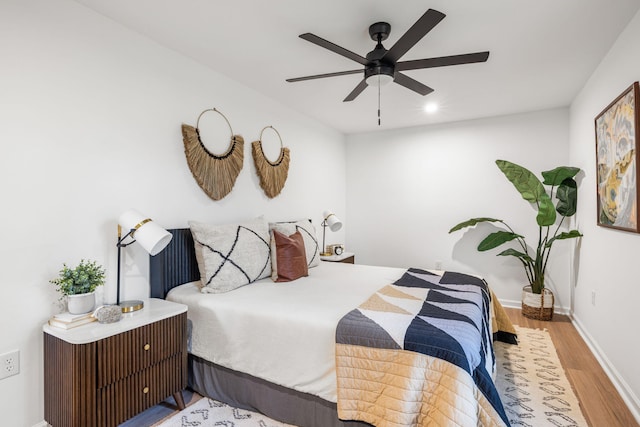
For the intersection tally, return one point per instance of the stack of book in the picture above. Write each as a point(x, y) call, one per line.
point(67, 320)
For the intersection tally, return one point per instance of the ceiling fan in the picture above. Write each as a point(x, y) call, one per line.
point(381, 66)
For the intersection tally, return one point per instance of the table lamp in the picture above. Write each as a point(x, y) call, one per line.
point(334, 224)
point(149, 235)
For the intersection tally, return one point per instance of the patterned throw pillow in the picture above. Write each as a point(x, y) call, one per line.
point(232, 255)
point(308, 232)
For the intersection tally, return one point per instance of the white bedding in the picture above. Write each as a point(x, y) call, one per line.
point(282, 332)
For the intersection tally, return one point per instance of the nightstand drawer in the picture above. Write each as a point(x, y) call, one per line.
point(123, 399)
point(124, 354)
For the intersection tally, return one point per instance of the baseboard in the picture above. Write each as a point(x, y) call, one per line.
point(42, 424)
point(518, 304)
point(629, 397)
point(510, 303)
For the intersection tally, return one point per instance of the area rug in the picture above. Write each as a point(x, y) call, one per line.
point(209, 413)
point(532, 384)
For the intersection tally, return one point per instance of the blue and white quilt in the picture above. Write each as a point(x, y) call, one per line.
point(419, 352)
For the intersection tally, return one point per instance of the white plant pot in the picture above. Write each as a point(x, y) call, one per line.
point(535, 300)
point(81, 303)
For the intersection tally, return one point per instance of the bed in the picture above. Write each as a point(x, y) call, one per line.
point(291, 328)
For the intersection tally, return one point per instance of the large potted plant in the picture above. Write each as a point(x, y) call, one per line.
point(78, 285)
point(537, 301)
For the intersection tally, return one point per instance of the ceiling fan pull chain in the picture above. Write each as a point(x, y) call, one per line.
point(379, 99)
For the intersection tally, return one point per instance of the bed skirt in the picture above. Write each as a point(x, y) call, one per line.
point(254, 394)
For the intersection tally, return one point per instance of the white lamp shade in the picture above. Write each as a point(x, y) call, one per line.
point(148, 234)
point(333, 222)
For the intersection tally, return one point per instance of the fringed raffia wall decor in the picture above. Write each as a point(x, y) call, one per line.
point(272, 175)
point(215, 174)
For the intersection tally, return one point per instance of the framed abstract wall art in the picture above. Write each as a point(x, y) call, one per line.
point(616, 162)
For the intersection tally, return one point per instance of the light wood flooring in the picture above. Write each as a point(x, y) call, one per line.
point(599, 400)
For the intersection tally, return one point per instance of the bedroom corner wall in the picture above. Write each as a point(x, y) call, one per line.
point(607, 261)
point(406, 189)
point(91, 116)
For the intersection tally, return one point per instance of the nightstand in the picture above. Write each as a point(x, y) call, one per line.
point(346, 257)
point(103, 374)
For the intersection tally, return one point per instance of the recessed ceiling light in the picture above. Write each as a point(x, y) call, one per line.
point(431, 107)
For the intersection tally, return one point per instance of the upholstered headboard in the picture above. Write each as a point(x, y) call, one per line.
point(175, 265)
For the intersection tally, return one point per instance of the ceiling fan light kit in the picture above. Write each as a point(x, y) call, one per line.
point(382, 66)
point(379, 75)
point(377, 72)
point(380, 79)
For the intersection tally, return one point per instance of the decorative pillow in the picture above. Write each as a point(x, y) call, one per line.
point(232, 255)
point(290, 261)
point(308, 232)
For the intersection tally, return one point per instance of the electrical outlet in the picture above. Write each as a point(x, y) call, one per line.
point(9, 364)
point(593, 297)
point(438, 265)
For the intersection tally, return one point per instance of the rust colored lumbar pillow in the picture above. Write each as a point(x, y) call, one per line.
point(308, 231)
point(290, 260)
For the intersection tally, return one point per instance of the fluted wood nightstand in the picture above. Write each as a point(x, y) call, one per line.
point(104, 374)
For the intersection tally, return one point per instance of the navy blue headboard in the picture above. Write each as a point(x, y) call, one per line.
point(175, 265)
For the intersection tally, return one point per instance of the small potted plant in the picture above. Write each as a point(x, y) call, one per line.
point(564, 188)
point(79, 284)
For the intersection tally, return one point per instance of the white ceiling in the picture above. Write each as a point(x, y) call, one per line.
point(542, 51)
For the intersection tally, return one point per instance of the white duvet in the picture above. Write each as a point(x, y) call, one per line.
point(282, 332)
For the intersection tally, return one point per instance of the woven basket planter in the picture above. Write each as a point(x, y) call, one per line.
point(537, 306)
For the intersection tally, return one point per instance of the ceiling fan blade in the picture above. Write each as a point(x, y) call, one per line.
point(414, 85)
point(357, 91)
point(321, 76)
point(430, 19)
point(333, 48)
point(443, 61)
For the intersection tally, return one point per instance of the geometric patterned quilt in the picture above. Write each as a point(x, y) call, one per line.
point(420, 352)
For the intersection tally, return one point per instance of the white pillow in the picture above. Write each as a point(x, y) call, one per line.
point(308, 232)
point(232, 255)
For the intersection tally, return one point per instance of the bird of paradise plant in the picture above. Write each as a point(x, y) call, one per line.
point(560, 179)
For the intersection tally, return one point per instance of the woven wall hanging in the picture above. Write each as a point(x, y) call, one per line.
point(272, 175)
point(215, 174)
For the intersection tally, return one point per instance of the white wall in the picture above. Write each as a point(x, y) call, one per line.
point(608, 259)
point(406, 189)
point(90, 117)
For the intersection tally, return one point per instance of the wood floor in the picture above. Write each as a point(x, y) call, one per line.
point(599, 400)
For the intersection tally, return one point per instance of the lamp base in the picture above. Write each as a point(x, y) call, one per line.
point(131, 306)
point(325, 254)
